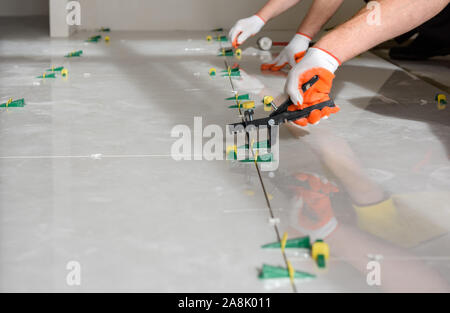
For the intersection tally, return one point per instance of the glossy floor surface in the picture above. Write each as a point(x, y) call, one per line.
point(87, 175)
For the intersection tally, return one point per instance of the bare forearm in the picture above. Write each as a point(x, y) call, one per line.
point(273, 8)
point(361, 33)
point(319, 13)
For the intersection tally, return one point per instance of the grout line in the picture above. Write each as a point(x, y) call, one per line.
point(277, 231)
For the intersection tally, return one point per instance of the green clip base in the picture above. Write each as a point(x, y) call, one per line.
point(232, 74)
point(226, 54)
point(236, 106)
point(52, 75)
point(271, 272)
point(20, 103)
point(94, 38)
point(295, 243)
point(233, 70)
point(261, 159)
point(221, 38)
point(231, 156)
point(241, 97)
point(74, 54)
point(56, 69)
point(321, 263)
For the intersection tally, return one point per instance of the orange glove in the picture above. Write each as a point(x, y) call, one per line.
point(313, 213)
point(291, 54)
point(316, 62)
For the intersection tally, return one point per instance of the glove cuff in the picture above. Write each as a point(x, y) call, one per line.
point(260, 19)
point(304, 35)
point(300, 40)
point(323, 59)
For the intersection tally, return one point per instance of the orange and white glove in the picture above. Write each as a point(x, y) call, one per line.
point(245, 28)
point(316, 62)
point(291, 54)
point(312, 212)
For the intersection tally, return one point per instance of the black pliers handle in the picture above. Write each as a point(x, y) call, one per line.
point(281, 114)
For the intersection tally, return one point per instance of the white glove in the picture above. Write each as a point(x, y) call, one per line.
point(245, 28)
point(315, 62)
point(291, 54)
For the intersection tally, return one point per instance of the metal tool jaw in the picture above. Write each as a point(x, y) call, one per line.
point(281, 114)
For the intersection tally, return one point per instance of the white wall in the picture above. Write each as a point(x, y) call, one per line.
point(190, 14)
point(58, 13)
point(23, 7)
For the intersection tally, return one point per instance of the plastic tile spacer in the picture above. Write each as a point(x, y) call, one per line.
point(295, 243)
point(266, 158)
point(245, 105)
point(94, 38)
point(45, 75)
point(268, 103)
point(273, 272)
point(221, 38)
point(320, 252)
point(441, 101)
point(20, 103)
point(239, 97)
point(74, 54)
point(55, 69)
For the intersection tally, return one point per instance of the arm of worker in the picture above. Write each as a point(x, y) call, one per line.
point(318, 15)
point(350, 39)
point(250, 26)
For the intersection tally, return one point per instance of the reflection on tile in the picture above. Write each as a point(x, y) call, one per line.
point(86, 174)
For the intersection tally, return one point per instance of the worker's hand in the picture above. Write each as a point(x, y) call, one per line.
point(315, 62)
point(245, 28)
point(291, 54)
